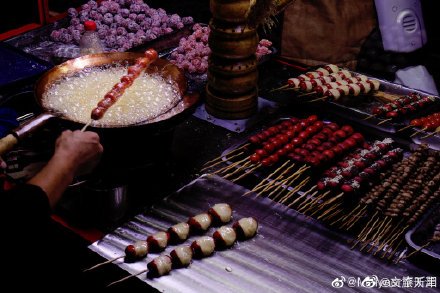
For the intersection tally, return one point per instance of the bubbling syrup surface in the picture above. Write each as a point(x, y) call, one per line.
point(75, 96)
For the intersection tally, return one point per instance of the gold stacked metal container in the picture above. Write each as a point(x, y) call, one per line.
point(232, 91)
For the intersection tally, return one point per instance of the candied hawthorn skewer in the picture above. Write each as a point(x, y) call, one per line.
point(126, 81)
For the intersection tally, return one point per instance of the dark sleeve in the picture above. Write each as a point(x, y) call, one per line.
point(25, 208)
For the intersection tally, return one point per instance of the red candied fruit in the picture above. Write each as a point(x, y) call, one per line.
point(329, 154)
point(319, 124)
point(254, 158)
point(296, 157)
point(340, 134)
point(312, 118)
point(346, 188)
point(358, 137)
point(297, 141)
point(281, 152)
point(304, 135)
point(254, 139)
point(273, 158)
point(269, 147)
point(351, 142)
point(289, 147)
point(347, 129)
point(266, 162)
point(333, 126)
point(261, 152)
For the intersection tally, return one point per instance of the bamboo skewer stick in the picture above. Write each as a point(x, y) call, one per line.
point(246, 173)
point(381, 235)
point(294, 190)
point(374, 235)
point(313, 202)
point(356, 218)
point(219, 162)
point(103, 263)
point(417, 132)
point(403, 128)
point(229, 167)
point(280, 88)
point(318, 99)
point(225, 155)
point(369, 117)
point(384, 121)
point(419, 249)
point(87, 125)
point(337, 211)
point(388, 237)
point(306, 94)
point(302, 196)
point(395, 250)
point(431, 134)
point(364, 233)
point(238, 170)
point(329, 201)
point(345, 216)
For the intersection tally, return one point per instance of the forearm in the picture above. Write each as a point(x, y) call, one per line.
point(54, 178)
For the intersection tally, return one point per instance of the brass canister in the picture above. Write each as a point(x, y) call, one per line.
point(234, 76)
point(232, 42)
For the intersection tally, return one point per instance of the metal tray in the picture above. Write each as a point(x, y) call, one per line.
point(358, 109)
point(421, 234)
point(289, 253)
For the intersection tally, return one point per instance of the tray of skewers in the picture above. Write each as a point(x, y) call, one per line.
point(374, 189)
point(424, 129)
point(367, 100)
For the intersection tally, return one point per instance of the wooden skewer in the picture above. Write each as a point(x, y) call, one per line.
point(420, 248)
point(417, 132)
point(103, 263)
point(229, 167)
point(431, 134)
point(306, 94)
point(246, 173)
point(395, 250)
point(367, 242)
point(87, 125)
point(301, 197)
point(219, 162)
point(386, 120)
point(126, 278)
point(388, 237)
point(323, 216)
point(369, 117)
point(225, 155)
point(238, 170)
point(280, 88)
point(318, 99)
point(294, 190)
point(403, 128)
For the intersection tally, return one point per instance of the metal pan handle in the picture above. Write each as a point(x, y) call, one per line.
point(9, 141)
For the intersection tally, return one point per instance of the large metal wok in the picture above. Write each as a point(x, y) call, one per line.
point(167, 70)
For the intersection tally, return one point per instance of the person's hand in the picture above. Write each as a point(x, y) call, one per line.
point(76, 153)
point(80, 151)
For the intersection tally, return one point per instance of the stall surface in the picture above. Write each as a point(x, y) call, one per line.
point(289, 253)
